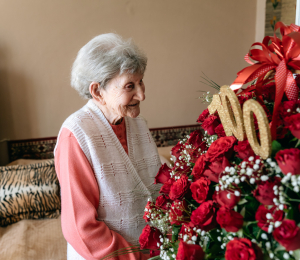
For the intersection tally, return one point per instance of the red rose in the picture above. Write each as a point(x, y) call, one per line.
point(163, 202)
point(189, 252)
point(262, 221)
point(294, 124)
point(213, 169)
point(147, 214)
point(244, 150)
point(287, 108)
point(177, 149)
point(163, 174)
point(205, 216)
point(178, 212)
point(210, 124)
point(226, 198)
point(203, 116)
point(167, 186)
point(242, 249)
point(264, 192)
point(229, 219)
point(198, 169)
point(288, 235)
point(200, 189)
point(196, 152)
point(289, 160)
point(220, 131)
point(268, 92)
point(222, 146)
point(244, 97)
point(195, 138)
point(149, 238)
point(154, 253)
point(188, 230)
point(179, 188)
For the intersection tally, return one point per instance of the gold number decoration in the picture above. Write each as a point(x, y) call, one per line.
point(231, 104)
point(216, 105)
point(264, 148)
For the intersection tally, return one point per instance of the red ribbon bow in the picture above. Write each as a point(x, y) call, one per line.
point(273, 53)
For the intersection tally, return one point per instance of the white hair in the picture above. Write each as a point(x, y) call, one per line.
point(103, 58)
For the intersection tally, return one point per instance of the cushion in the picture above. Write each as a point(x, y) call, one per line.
point(28, 192)
point(165, 152)
point(33, 239)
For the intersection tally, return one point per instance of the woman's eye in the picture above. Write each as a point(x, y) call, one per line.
point(130, 86)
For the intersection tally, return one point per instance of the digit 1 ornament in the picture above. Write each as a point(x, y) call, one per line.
point(216, 106)
point(264, 148)
point(231, 104)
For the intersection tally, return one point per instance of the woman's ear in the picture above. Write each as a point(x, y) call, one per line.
point(96, 92)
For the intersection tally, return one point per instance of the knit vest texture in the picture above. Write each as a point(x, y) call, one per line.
point(125, 180)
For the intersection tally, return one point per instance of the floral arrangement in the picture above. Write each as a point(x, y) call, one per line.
point(222, 200)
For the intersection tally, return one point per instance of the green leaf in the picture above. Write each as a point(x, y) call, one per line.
point(175, 230)
point(290, 214)
point(276, 146)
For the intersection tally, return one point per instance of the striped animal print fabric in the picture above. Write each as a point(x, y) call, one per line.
point(28, 192)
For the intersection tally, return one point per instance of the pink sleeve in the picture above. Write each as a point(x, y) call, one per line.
point(91, 238)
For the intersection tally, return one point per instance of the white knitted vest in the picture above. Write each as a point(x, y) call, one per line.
point(125, 181)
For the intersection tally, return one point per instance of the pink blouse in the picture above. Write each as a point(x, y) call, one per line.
point(91, 238)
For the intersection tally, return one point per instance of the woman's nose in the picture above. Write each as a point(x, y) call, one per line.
point(141, 93)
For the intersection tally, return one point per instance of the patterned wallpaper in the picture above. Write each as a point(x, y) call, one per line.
point(279, 10)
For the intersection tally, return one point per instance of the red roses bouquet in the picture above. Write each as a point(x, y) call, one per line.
point(222, 200)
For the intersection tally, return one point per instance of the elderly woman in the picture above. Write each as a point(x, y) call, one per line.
point(105, 157)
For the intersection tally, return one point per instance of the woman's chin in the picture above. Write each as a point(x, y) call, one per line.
point(133, 112)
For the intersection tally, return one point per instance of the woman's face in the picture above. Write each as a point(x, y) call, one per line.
point(123, 95)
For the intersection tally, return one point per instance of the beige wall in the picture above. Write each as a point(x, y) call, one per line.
point(39, 40)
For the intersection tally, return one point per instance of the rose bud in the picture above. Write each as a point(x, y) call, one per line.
point(222, 146)
point(200, 189)
point(205, 216)
point(179, 188)
point(189, 252)
point(294, 124)
point(178, 212)
point(242, 249)
point(229, 219)
point(288, 235)
point(203, 116)
point(289, 160)
point(163, 174)
point(261, 213)
point(226, 198)
point(264, 192)
point(210, 124)
point(163, 202)
point(149, 238)
point(243, 149)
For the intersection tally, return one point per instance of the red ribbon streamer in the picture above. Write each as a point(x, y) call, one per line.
point(273, 53)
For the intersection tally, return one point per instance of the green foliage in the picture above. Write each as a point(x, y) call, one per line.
point(276, 146)
point(176, 230)
point(250, 208)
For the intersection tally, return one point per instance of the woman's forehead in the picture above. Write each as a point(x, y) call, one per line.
point(126, 77)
